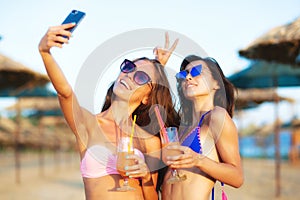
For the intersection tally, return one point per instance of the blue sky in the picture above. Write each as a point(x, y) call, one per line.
point(220, 27)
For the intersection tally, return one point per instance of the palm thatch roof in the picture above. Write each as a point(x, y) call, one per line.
point(51, 132)
point(296, 123)
point(53, 121)
point(280, 44)
point(253, 97)
point(14, 75)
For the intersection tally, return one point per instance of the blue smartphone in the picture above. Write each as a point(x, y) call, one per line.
point(74, 16)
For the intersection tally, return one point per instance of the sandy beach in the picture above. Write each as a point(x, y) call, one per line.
point(59, 178)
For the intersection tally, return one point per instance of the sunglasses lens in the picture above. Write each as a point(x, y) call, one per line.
point(127, 66)
point(181, 74)
point(141, 78)
point(196, 71)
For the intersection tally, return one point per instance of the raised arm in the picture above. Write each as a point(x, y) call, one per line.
point(68, 102)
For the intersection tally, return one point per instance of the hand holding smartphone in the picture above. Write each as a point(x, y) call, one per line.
point(75, 16)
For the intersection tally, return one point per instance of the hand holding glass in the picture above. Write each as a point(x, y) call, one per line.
point(172, 138)
point(124, 149)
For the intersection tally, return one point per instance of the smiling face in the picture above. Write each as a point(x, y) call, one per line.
point(128, 85)
point(201, 85)
point(140, 99)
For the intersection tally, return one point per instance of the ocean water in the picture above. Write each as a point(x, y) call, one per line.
point(256, 146)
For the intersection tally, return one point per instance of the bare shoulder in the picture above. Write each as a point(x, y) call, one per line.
point(221, 122)
point(220, 115)
point(219, 111)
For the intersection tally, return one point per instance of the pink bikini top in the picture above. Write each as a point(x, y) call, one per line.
point(99, 161)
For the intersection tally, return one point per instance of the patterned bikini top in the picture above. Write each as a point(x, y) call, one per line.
point(192, 139)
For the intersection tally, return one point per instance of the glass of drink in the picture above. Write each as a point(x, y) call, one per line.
point(170, 139)
point(124, 149)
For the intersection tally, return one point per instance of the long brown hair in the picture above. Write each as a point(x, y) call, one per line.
point(160, 95)
point(222, 98)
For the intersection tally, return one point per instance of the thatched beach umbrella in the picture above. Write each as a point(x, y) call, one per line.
point(36, 103)
point(7, 130)
point(42, 107)
point(15, 77)
point(262, 74)
point(38, 138)
point(281, 44)
point(250, 98)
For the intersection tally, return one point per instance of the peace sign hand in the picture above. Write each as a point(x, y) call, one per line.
point(163, 54)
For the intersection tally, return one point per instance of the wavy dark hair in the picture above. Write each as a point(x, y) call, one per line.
point(160, 95)
point(222, 98)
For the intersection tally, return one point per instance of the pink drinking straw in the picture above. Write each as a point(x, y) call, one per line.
point(161, 124)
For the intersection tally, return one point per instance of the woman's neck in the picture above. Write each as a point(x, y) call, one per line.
point(120, 112)
point(201, 105)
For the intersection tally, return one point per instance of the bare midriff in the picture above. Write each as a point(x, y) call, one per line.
point(105, 188)
point(186, 189)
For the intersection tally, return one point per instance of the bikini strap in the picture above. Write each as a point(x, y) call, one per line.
point(202, 118)
point(224, 196)
point(198, 130)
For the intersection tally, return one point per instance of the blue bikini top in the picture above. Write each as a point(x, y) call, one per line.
point(192, 139)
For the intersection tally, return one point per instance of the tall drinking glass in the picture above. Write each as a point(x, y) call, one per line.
point(172, 138)
point(124, 149)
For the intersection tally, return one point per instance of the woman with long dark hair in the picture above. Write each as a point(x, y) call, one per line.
point(208, 135)
point(140, 84)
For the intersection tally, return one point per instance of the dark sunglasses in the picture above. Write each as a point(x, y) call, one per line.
point(195, 71)
point(140, 77)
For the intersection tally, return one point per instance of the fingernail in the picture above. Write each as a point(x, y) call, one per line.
point(126, 167)
point(127, 173)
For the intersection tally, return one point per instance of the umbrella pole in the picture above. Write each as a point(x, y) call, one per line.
point(277, 149)
point(17, 145)
point(40, 146)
